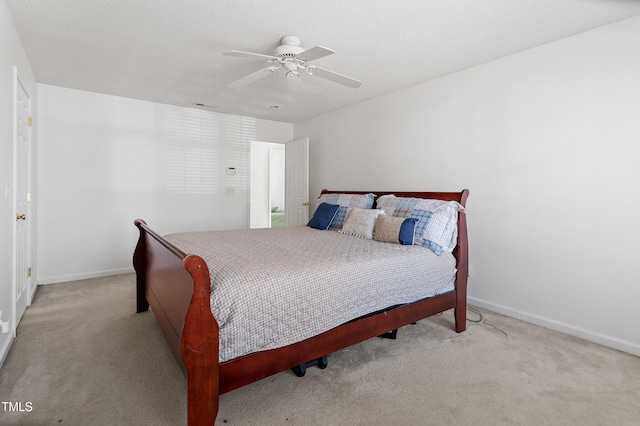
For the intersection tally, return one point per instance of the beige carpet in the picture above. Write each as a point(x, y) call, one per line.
point(83, 357)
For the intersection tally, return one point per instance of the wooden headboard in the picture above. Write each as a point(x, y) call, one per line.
point(460, 197)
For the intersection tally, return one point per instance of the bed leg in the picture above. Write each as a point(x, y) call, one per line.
point(142, 305)
point(202, 404)
point(460, 310)
point(460, 313)
point(393, 334)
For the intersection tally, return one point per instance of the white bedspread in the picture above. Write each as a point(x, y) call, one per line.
point(274, 287)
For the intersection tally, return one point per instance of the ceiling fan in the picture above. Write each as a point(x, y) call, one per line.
point(293, 59)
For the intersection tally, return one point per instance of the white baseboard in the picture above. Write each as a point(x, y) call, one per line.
point(5, 347)
point(33, 293)
point(84, 276)
point(611, 342)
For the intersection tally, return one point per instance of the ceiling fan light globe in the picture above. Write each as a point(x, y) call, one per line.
point(290, 65)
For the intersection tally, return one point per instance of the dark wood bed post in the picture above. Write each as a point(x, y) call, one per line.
point(139, 262)
point(462, 264)
point(199, 346)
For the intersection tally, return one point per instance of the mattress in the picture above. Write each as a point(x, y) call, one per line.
point(274, 287)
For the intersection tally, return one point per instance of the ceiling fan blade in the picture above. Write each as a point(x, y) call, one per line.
point(250, 55)
point(254, 76)
point(334, 76)
point(314, 53)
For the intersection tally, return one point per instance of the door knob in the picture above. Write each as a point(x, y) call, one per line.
point(306, 203)
point(21, 217)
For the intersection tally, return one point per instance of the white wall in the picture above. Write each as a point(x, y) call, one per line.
point(11, 55)
point(547, 141)
point(105, 161)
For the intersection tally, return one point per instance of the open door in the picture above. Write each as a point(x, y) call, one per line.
point(297, 182)
point(22, 289)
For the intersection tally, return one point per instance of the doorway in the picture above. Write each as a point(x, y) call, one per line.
point(267, 185)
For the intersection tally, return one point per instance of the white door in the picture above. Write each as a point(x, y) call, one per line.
point(22, 199)
point(297, 182)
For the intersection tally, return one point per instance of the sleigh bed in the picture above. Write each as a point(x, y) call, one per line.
point(249, 339)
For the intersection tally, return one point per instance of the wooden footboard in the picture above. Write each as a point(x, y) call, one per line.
point(177, 287)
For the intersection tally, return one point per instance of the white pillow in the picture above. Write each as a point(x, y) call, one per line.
point(361, 222)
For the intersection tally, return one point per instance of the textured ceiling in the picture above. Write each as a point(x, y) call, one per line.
point(170, 51)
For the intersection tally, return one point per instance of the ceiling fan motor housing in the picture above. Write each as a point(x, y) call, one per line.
point(289, 47)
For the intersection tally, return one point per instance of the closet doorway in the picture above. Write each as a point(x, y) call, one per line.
point(267, 194)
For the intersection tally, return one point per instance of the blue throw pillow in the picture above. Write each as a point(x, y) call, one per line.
point(323, 216)
point(407, 230)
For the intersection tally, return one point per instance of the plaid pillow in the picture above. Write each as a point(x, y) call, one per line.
point(339, 218)
point(423, 218)
point(346, 203)
point(437, 226)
